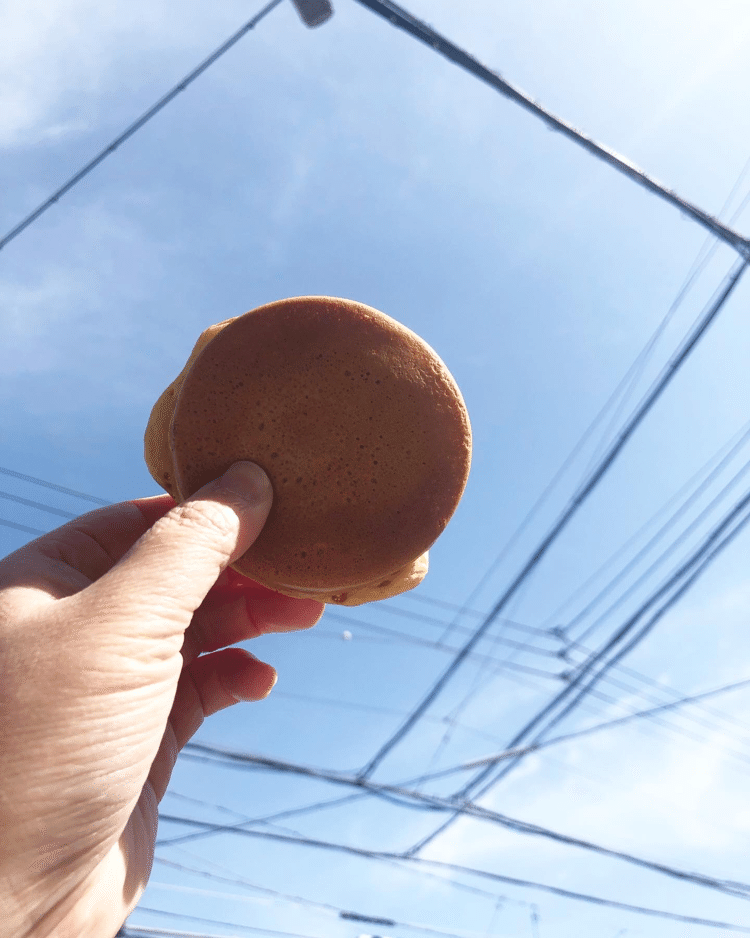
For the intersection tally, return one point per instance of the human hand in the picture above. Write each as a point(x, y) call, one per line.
point(113, 648)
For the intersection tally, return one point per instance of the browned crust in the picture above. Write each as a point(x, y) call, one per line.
point(195, 403)
point(156, 447)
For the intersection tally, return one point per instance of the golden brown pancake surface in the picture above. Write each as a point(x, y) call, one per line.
point(356, 421)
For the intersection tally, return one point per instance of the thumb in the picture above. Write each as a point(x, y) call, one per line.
point(168, 572)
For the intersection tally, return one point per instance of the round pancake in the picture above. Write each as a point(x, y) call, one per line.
point(357, 422)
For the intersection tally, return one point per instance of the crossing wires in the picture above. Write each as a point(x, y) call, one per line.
point(399, 17)
point(587, 487)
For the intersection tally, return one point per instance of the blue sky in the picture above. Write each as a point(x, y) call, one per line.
point(353, 161)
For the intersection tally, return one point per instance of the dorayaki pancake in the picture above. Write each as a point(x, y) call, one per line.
point(357, 422)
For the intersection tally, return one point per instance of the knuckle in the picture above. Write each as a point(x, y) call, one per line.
point(217, 524)
point(210, 527)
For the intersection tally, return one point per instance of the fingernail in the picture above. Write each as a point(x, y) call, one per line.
point(249, 481)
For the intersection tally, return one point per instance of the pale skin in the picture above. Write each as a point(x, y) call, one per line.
point(115, 635)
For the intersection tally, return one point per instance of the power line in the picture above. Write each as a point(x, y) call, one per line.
point(267, 819)
point(575, 503)
point(21, 527)
point(454, 867)
point(52, 485)
point(384, 630)
point(436, 646)
point(233, 760)
point(213, 921)
point(399, 17)
point(705, 474)
point(732, 718)
point(398, 611)
point(694, 524)
point(704, 255)
point(137, 124)
point(29, 503)
point(427, 619)
point(475, 890)
point(691, 578)
point(494, 758)
point(455, 723)
point(138, 931)
point(431, 620)
point(419, 617)
point(688, 573)
point(505, 754)
point(676, 728)
point(296, 900)
point(630, 378)
point(419, 29)
point(471, 810)
point(608, 724)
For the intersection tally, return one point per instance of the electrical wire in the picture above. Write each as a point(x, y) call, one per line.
point(295, 900)
point(695, 485)
point(418, 617)
point(702, 558)
point(266, 820)
point(435, 646)
point(705, 561)
point(639, 581)
point(474, 890)
point(608, 724)
point(575, 503)
point(28, 503)
point(469, 809)
point(52, 485)
point(631, 379)
point(610, 680)
point(650, 714)
point(452, 721)
point(727, 717)
point(704, 255)
point(619, 392)
point(486, 874)
point(505, 754)
point(688, 573)
point(137, 124)
point(386, 606)
point(399, 17)
point(699, 720)
point(495, 758)
point(212, 921)
point(416, 28)
point(384, 630)
point(20, 527)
